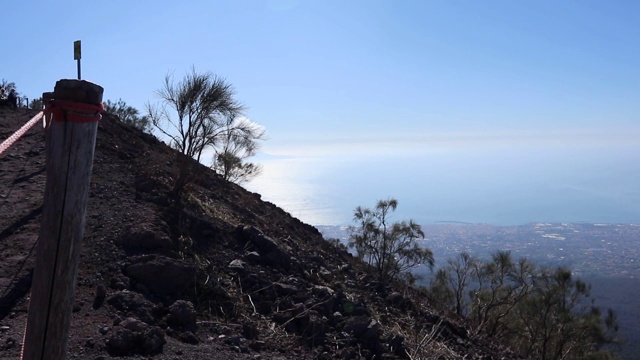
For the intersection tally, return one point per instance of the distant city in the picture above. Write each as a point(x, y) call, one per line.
point(605, 255)
point(590, 250)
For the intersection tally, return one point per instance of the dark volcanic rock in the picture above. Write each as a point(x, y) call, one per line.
point(101, 294)
point(132, 303)
point(162, 275)
point(315, 330)
point(182, 314)
point(357, 325)
point(272, 253)
point(120, 282)
point(145, 237)
point(135, 337)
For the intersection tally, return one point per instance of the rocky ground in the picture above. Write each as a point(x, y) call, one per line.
point(216, 273)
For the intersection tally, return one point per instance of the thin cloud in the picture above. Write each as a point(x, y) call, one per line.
point(436, 142)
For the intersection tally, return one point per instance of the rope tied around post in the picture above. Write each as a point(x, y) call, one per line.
point(72, 111)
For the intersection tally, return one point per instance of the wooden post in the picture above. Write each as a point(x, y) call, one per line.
point(69, 146)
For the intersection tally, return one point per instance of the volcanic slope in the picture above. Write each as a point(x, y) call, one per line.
point(215, 273)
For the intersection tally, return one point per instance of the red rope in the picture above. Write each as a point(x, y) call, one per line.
point(73, 111)
point(60, 110)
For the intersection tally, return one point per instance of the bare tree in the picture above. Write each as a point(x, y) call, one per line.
point(392, 248)
point(36, 104)
point(539, 312)
point(7, 85)
point(238, 143)
point(127, 114)
point(201, 112)
point(451, 283)
point(194, 112)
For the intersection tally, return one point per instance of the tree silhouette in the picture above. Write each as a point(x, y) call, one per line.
point(451, 284)
point(203, 105)
point(201, 112)
point(7, 85)
point(36, 104)
point(236, 144)
point(391, 248)
point(127, 114)
point(541, 313)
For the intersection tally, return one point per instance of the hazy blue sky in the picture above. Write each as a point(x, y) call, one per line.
point(483, 111)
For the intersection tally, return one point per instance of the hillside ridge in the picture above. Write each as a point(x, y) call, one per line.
point(216, 273)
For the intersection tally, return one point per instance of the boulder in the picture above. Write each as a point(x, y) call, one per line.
point(326, 300)
point(357, 325)
point(132, 303)
point(366, 330)
point(279, 259)
point(120, 282)
point(182, 315)
point(265, 244)
point(162, 275)
point(270, 251)
point(145, 237)
point(295, 320)
point(134, 337)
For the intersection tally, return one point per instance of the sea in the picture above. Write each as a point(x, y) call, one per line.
point(497, 186)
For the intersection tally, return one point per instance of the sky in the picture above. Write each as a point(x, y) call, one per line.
point(502, 112)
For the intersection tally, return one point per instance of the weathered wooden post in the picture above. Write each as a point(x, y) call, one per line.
point(70, 144)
